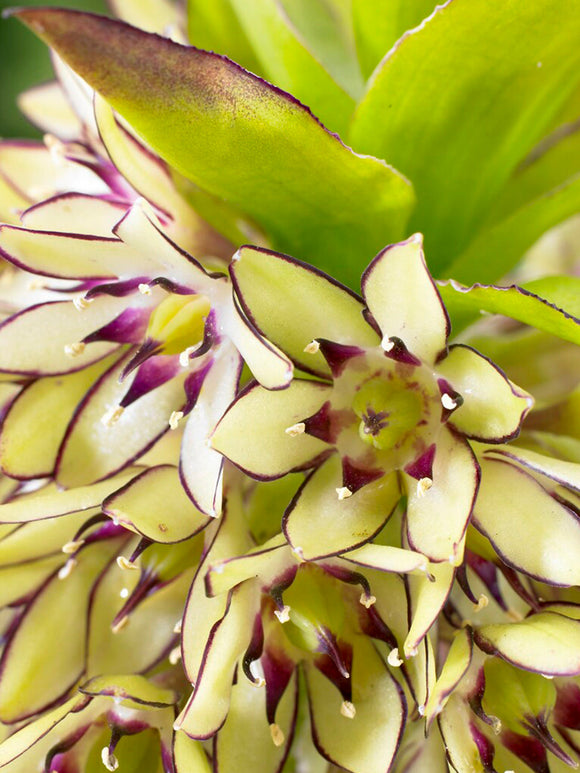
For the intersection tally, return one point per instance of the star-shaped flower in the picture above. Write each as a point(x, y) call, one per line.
point(390, 410)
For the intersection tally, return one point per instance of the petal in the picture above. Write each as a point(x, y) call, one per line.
point(456, 664)
point(27, 736)
point(268, 562)
point(427, 597)
point(188, 755)
point(319, 524)
point(135, 691)
point(545, 642)
point(565, 473)
point(30, 167)
point(42, 538)
point(201, 467)
point(141, 232)
point(207, 708)
point(71, 255)
point(245, 741)
point(437, 518)
point(72, 213)
point(202, 612)
point(458, 730)
point(33, 342)
point(386, 558)
point(36, 421)
point(403, 299)
point(155, 505)
point(32, 676)
point(269, 365)
point(95, 447)
point(292, 304)
point(252, 433)
point(23, 580)
point(528, 528)
point(47, 108)
point(54, 503)
point(149, 633)
point(493, 408)
point(367, 743)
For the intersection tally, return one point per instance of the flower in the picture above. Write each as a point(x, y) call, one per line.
point(392, 411)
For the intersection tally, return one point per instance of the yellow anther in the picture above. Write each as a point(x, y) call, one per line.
point(109, 760)
point(367, 600)
point(65, 570)
point(144, 288)
point(283, 614)
point(175, 418)
point(296, 429)
point(312, 348)
point(112, 416)
point(175, 656)
point(122, 623)
point(74, 350)
point(448, 402)
point(277, 734)
point(72, 546)
point(343, 493)
point(348, 710)
point(124, 563)
point(81, 303)
point(423, 486)
point(393, 658)
point(482, 602)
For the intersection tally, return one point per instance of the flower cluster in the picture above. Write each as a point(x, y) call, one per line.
point(250, 518)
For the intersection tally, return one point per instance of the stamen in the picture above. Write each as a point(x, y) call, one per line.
point(124, 563)
point(387, 344)
point(112, 416)
point(175, 418)
point(72, 546)
point(482, 602)
point(81, 303)
point(421, 709)
point(257, 672)
point(312, 348)
point(175, 656)
point(448, 402)
point(74, 350)
point(109, 760)
point(393, 658)
point(423, 486)
point(277, 734)
point(65, 570)
point(177, 626)
point(185, 355)
point(367, 600)
point(295, 429)
point(144, 288)
point(348, 710)
point(343, 493)
point(124, 593)
point(56, 149)
point(283, 614)
point(120, 624)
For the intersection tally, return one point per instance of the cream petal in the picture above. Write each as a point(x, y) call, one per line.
point(284, 298)
point(74, 213)
point(188, 755)
point(565, 473)
point(252, 433)
point(155, 505)
point(493, 408)
point(456, 664)
point(403, 299)
point(511, 504)
point(367, 742)
point(427, 595)
point(546, 642)
point(319, 524)
point(201, 466)
point(47, 108)
point(437, 518)
point(386, 558)
point(33, 342)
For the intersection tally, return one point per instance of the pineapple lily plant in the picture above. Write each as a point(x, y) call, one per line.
point(290, 440)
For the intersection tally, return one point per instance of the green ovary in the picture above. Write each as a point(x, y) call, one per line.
point(179, 322)
point(389, 410)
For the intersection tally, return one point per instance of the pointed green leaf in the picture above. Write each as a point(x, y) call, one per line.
point(499, 247)
point(458, 103)
point(239, 138)
point(537, 304)
point(380, 23)
point(291, 63)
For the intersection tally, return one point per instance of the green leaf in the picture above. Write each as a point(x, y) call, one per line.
point(496, 249)
point(239, 138)
point(462, 100)
point(521, 303)
point(300, 49)
point(214, 26)
point(379, 24)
